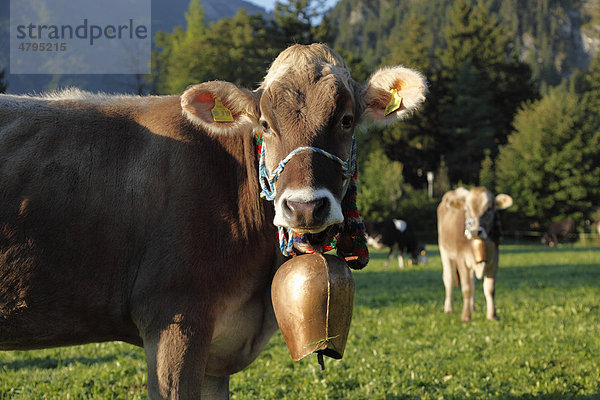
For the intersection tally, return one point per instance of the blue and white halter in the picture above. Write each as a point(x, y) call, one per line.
point(268, 180)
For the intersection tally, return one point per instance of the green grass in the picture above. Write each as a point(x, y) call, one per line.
point(401, 345)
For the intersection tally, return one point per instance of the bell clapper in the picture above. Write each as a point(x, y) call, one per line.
point(320, 360)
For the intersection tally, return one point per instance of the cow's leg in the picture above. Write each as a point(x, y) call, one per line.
point(466, 284)
point(400, 258)
point(489, 287)
point(390, 256)
point(215, 387)
point(448, 273)
point(176, 354)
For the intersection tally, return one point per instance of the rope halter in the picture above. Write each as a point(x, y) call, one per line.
point(268, 180)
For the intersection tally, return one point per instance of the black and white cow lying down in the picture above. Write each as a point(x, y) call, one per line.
point(399, 237)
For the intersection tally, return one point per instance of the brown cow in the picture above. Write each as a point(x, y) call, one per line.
point(139, 218)
point(563, 229)
point(468, 237)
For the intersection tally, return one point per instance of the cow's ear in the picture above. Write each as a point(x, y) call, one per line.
point(456, 203)
point(220, 107)
point(503, 201)
point(457, 197)
point(391, 94)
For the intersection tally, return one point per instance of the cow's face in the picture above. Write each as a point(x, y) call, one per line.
point(480, 208)
point(309, 107)
point(310, 101)
point(479, 213)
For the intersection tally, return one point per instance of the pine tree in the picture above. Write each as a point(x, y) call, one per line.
point(441, 183)
point(469, 122)
point(481, 85)
point(412, 142)
point(487, 176)
point(236, 49)
point(293, 22)
point(587, 84)
point(410, 45)
point(240, 48)
point(182, 56)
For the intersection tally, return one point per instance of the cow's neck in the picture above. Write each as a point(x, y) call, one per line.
point(254, 212)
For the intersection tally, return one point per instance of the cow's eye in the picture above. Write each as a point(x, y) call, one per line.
point(347, 121)
point(265, 125)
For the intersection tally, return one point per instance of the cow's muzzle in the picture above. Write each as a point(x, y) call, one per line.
point(473, 230)
point(306, 214)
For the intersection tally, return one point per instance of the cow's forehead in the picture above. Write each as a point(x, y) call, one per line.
point(478, 200)
point(307, 97)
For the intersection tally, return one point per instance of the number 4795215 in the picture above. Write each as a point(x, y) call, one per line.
point(34, 46)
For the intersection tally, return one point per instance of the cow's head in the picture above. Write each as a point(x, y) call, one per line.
point(309, 100)
point(481, 223)
point(480, 207)
point(306, 109)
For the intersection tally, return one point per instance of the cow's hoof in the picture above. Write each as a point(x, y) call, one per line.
point(465, 318)
point(494, 318)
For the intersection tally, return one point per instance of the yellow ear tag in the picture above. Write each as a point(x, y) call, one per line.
point(221, 113)
point(394, 103)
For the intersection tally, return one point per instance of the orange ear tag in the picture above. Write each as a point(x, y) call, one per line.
point(221, 113)
point(394, 103)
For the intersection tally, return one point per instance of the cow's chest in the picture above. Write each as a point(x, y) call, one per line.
point(244, 326)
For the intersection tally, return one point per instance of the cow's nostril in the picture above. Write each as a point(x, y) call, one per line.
point(321, 209)
point(307, 213)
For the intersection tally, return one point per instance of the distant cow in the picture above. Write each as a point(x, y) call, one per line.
point(557, 230)
point(468, 236)
point(140, 218)
point(399, 237)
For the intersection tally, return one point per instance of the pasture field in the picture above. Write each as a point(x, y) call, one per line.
point(401, 345)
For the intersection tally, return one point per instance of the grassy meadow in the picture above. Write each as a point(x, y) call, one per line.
point(401, 345)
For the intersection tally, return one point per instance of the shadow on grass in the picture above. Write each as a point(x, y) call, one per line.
point(541, 396)
point(563, 248)
point(51, 362)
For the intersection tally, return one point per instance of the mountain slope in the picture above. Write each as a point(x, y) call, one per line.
point(554, 37)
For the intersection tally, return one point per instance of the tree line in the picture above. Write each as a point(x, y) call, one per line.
point(488, 120)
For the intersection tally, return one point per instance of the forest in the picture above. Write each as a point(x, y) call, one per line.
point(511, 104)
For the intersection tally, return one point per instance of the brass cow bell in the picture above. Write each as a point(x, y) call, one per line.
point(479, 250)
point(313, 297)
